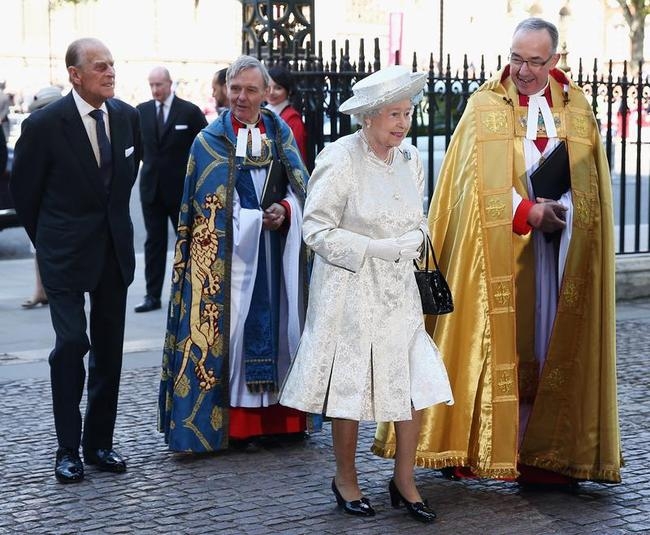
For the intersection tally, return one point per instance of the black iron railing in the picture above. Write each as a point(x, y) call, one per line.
point(621, 104)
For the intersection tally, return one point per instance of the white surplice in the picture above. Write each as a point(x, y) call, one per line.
point(247, 229)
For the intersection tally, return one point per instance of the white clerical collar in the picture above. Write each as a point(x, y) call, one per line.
point(242, 139)
point(537, 104)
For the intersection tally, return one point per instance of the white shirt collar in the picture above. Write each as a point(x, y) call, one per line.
point(167, 103)
point(83, 106)
point(278, 107)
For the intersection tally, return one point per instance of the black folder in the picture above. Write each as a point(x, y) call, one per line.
point(275, 185)
point(553, 177)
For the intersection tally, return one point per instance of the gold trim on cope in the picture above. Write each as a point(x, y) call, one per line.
point(582, 211)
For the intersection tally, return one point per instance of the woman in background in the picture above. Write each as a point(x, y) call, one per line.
point(280, 89)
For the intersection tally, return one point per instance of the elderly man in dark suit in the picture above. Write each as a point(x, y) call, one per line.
point(169, 126)
point(75, 165)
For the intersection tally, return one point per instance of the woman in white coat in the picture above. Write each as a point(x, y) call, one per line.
point(364, 353)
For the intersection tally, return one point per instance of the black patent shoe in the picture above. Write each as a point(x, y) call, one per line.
point(106, 460)
point(68, 467)
point(418, 510)
point(360, 507)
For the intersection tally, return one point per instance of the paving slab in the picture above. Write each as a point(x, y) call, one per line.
point(284, 486)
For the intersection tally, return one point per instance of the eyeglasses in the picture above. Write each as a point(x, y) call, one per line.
point(518, 61)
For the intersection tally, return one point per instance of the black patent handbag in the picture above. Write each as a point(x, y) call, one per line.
point(434, 290)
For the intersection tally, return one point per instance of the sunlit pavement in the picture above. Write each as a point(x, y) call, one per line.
point(282, 487)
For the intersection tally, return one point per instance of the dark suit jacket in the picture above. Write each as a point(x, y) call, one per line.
point(60, 197)
point(165, 160)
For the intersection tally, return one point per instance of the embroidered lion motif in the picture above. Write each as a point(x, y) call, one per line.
point(203, 318)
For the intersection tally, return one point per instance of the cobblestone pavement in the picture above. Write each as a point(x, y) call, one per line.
point(284, 487)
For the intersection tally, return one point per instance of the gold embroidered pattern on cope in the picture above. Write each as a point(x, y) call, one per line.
point(204, 317)
point(505, 383)
point(216, 418)
point(182, 387)
point(570, 293)
point(297, 176)
point(579, 125)
point(264, 158)
point(495, 208)
point(555, 380)
point(581, 205)
point(582, 211)
point(191, 164)
point(502, 294)
point(495, 121)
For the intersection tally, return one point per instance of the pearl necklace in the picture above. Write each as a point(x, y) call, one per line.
point(388, 160)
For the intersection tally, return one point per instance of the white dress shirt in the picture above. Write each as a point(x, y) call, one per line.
point(166, 106)
point(90, 123)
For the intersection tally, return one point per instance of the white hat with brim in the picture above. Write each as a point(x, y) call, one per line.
point(43, 97)
point(390, 84)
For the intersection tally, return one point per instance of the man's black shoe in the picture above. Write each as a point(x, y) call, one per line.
point(106, 460)
point(68, 467)
point(149, 304)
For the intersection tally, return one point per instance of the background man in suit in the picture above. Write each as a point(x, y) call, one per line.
point(220, 91)
point(75, 164)
point(169, 126)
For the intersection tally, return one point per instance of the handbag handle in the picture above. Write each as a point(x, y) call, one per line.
point(428, 246)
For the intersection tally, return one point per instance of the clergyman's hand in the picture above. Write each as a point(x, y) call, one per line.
point(547, 215)
point(274, 216)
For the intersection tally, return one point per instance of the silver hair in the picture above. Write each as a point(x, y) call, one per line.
point(243, 63)
point(534, 24)
point(363, 115)
point(369, 114)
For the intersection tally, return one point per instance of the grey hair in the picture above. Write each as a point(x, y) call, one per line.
point(363, 115)
point(534, 24)
point(75, 55)
point(373, 112)
point(247, 62)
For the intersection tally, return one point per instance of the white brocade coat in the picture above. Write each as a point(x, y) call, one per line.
point(364, 353)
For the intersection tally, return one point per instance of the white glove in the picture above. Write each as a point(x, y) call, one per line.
point(386, 248)
point(406, 247)
point(411, 242)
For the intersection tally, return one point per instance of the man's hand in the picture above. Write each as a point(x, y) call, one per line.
point(274, 216)
point(547, 215)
